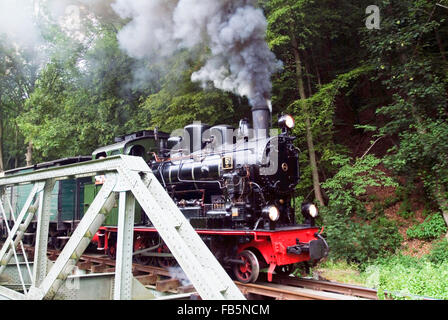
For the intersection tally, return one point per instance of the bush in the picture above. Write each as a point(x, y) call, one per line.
point(432, 228)
point(405, 209)
point(350, 240)
point(439, 253)
point(346, 187)
point(360, 242)
point(404, 277)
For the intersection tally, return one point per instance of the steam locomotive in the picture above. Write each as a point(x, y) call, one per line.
point(235, 186)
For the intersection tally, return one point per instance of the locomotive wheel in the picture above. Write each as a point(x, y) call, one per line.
point(250, 269)
point(165, 262)
point(139, 244)
point(111, 251)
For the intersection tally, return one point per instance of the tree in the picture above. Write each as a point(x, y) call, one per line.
point(303, 37)
point(410, 60)
point(283, 21)
point(18, 73)
point(83, 98)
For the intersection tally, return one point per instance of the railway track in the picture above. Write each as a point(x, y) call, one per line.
point(283, 287)
point(329, 287)
point(176, 283)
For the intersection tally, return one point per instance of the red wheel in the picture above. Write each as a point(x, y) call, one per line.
point(140, 243)
point(111, 251)
point(165, 262)
point(249, 270)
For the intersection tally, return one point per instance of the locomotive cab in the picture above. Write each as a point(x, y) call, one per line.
point(147, 144)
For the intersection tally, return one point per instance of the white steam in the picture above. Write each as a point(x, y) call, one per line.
point(22, 22)
point(234, 31)
point(18, 24)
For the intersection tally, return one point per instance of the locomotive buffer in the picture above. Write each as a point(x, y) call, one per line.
point(132, 179)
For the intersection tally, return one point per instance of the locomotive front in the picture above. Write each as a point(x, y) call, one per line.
point(240, 183)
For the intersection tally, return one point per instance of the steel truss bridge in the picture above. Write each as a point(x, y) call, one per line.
point(129, 180)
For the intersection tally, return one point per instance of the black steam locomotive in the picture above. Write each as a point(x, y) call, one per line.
point(236, 187)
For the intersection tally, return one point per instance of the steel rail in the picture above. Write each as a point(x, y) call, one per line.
point(287, 292)
point(328, 286)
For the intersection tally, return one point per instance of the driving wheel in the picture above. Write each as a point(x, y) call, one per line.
point(249, 269)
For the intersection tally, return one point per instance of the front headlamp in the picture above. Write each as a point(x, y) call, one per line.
point(287, 121)
point(309, 210)
point(272, 213)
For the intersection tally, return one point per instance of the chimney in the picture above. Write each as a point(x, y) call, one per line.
point(261, 117)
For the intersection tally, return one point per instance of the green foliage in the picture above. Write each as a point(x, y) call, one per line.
point(411, 64)
point(341, 271)
point(323, 107)
point(439, 252)
point(432, 228)
point(405, 209)
point(390, 201)
point(180, 102)
point(377, 210)
point(404, 278)
point(18, 73)
point(349, 239)
point(360, 242)
point(75, 107)
point(351, 182)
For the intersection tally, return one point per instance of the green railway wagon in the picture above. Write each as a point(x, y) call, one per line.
point(90, 192)
point(66, 202)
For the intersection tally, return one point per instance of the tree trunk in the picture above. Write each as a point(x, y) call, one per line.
point(2, 166)
point(29, 154)
point(16, 141)
point(440, 44)
point(309, 135)
point(316, 67)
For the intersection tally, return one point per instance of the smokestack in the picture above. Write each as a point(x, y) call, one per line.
point(261, 116)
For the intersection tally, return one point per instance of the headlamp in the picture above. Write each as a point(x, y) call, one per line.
point(309, 210)
point(272, 213)
point(287, 121)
